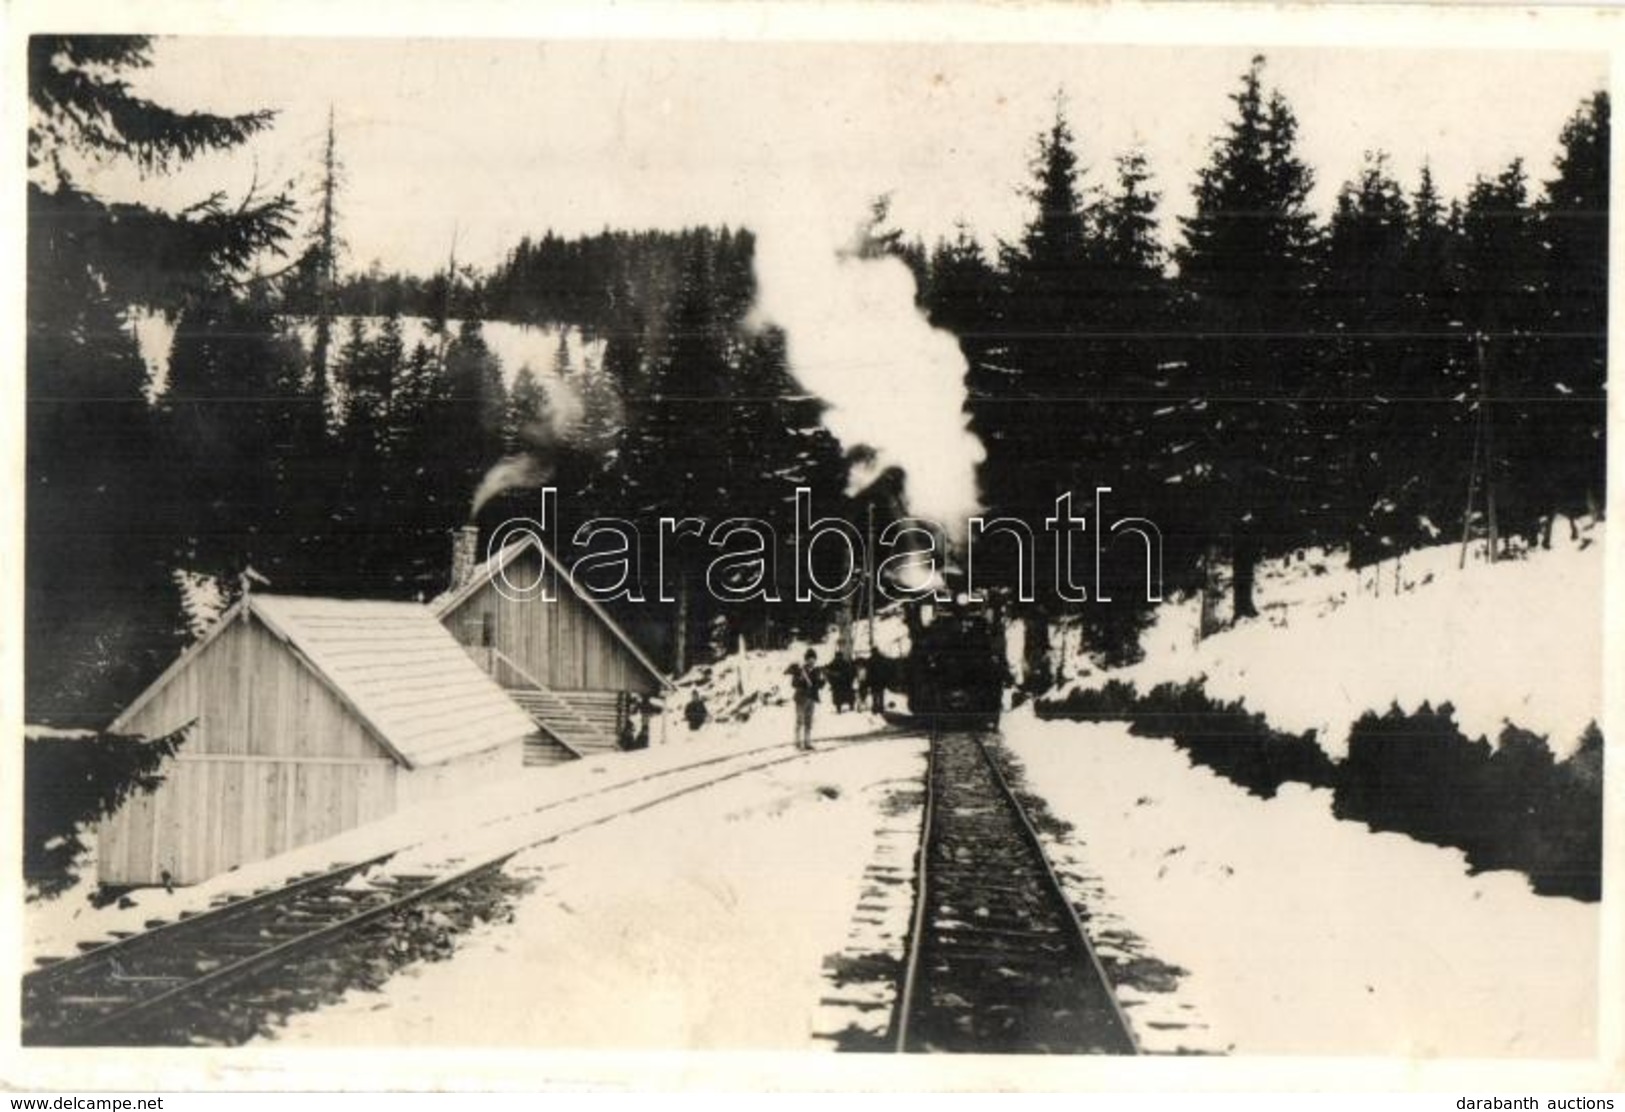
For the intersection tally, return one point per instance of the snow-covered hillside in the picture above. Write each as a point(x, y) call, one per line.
point(744, 684)
point(515, 345)
point(1279, 927)
point(1517, 641)
point(1290, 931)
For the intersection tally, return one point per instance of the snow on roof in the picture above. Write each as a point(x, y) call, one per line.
point(401, 671)
point(392, 664)
point(482, 573)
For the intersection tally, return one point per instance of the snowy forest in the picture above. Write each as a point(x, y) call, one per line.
point(1411, 366)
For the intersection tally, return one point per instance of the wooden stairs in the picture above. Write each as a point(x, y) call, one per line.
point(569, 725)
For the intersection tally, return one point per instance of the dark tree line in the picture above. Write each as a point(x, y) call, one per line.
point(707, 423)
point(1279, 381)
point(1289, 381)
point(328, 458)
point(101, 606)
point(330, 453)
point(1510, 805)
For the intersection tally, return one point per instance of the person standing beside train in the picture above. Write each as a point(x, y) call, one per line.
point(805, 680)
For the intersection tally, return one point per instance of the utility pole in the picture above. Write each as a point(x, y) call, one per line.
point(445, 301)
point(326, 275)
point(1483, 455)
point(1489, 451)
point(869, 576)
point(682, 624)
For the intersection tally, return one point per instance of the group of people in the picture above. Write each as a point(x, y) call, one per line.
point(848, 682)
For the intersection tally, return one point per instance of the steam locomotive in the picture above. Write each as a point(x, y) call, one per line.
point(956, 670)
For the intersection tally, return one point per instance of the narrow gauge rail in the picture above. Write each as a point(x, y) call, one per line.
point(156, 987)
point(998, 960)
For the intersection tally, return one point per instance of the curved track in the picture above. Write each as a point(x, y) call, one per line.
point(998, 960)
point(156, 987)
point(167, 985)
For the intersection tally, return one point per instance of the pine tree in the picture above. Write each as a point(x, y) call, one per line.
point(777, 442)
point(369, 370)
point(1364, 430)
point(528, 425)
point(1574, 221)
point(1501, 261)
point(1246, 265)
point(1027, 391)
point(1128, 224)
point(1126, 352)
point(476, 405)
point(960, 290)
point(102, 616)
point(375, 494)
point(316, 275)
point(670, 454)
point(434, 498)
point(229, 413)
point(1433, 373)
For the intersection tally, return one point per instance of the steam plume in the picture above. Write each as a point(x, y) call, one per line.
point(855, 337)
point(520, 472)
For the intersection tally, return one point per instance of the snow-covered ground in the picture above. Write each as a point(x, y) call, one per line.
point(701, 923)
point(1518, 641)
point(1300, 933)
point(703, 919)
point(743, 684)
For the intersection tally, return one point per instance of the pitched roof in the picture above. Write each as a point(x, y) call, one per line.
point(393, 665)
point(482, 573)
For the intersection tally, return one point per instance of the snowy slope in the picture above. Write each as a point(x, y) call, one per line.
point(699, 924)
point(55, 926)
point(515, 345)
point(745, 684)
point(1518, 641)
point(1300, 933)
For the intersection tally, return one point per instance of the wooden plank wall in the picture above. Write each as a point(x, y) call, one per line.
point(562, 643)
point(250, 694)
point(275, 761)
point(214, 813)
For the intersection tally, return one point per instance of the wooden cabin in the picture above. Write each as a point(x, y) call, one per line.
point(578, 674)
point(311, 716)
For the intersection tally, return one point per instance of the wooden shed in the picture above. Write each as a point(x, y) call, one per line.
point(312, 716)
point(566, 661)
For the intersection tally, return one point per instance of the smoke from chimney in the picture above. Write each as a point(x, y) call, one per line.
point(856, 338)
point(519, 472)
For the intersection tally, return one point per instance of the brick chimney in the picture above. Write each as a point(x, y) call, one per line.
point(465, 551)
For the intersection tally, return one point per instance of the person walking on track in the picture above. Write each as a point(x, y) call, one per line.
point(805, 680)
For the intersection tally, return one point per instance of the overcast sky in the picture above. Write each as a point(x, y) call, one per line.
point(501, 138)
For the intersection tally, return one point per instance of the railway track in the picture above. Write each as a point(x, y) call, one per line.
point(998, 961)
point(163, 986)
point(213, 976)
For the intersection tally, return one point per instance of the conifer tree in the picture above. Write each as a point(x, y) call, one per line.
point(231, 415)
point(1027, 388)
point(1246, 266)
point(101, 612)
point(1574, 222)
point(1501, 307)
point(1362, 425)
